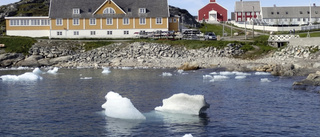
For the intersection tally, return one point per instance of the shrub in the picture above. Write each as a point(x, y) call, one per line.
point(17, 44)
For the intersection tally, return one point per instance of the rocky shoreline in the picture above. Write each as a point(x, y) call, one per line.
point(290, 61)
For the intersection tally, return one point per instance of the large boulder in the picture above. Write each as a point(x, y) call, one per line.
point(31, 61)
point(189, 66)
point(312, 82)
point(9, 59)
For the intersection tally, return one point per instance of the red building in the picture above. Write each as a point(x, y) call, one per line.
point(213, 13)
point(246, 10)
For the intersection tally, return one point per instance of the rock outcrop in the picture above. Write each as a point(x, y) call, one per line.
point(311, 83)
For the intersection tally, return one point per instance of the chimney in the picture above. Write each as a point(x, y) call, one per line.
point(212, 1)
point(274, 5)
point(314, 5)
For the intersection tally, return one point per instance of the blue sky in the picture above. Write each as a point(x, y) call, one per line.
point(194, 5)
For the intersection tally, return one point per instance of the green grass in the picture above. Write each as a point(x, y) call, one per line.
point(258, 48)
point(216, 28)
point(312, 34)
point(93, 45)
point(17, 44)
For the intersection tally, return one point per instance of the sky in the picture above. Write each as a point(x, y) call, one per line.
point(194, 5)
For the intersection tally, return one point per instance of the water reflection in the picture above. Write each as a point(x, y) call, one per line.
point(121, 127)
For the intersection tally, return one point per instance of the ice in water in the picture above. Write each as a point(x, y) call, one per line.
point(120, 107)
point(106, 70)
point(262, 73)
point(166, 74)
point(188, 135)
point(265, 80)
point(28, 76)
point(53, 71)
point(184, 104)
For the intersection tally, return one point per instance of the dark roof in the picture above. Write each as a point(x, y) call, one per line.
point(246, 6)
point(64, 8)
point(290, 12)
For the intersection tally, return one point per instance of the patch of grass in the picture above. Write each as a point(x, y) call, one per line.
point(313, 50)
point(312, 34)
point(93, 45)
point(17, 44)
point(216, 28)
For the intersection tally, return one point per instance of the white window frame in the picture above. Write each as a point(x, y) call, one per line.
point(59, 22)
point(142, 10)
point(92, 21)
point(76, 11)
point(76, 21)
point(109, 21)
point(109, 32)
point(126, 32)
point(92, 32)
point(126, 21)
point(109, 10)
point(35, 22)
point(76, 33)
point(159, 21)
point(59, 33)
point(174, 20)
point(142, 21)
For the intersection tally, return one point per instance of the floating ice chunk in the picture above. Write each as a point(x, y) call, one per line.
point(166, 74)
point(106, 70)
point(28, 76)
point(226, 73)
point(207, 77)
point(53, 71)
point(219, 77)
point(241, 73)
point(120, 107)
point(188, 135)
point(240, 77)
point(184, 104)
point(127, 68)
point(266, 80)
point(262, 73)
point(86, 78)
point(214, 73)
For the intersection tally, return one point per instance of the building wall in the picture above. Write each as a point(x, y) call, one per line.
point(204, 12)
point(112, 5)
point(248, 15)
point(174, 24)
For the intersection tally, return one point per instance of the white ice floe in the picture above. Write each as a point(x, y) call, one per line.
point(240, 77)
point(226, 73)
point(166, 74)
point(126, 68)
point(241, 73)
point(220, 77)
point(53, 71)
point(184, 104)
point(28, 76)
point(214, 73)
point(262, 73)
point(265, 80)
point(86, 78)
point(188, 135)
point(120, 107)
point(106, 70)
point(207, 77)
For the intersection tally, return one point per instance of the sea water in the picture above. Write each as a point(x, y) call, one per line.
point(68, 103)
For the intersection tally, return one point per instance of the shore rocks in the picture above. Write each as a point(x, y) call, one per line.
point(312, 83)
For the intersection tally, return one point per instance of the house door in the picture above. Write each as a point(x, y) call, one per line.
point(213, 16)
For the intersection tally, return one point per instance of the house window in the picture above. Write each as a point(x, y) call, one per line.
point(92, 21)
point(272, 13)
point(24, 22)
point(278, 13)
point(301, 12)
point(76, 11)
point(158, 20)
point(170, 20)
point(92, 32)
point(14, 22)
point(308, 12)
point(126, 32)
point(109, 32)
point(175, 20)
point(109, 10)
point(239, 13)
point(142, 21)
point(142, 10)
point(76, 21)
point(126, 21)
point(316, 12)
point(45, 22)
point(287, 12)
point(109, 21)
point(59, 33)
point(248, 13)
point(76, 33)
point(59, 22)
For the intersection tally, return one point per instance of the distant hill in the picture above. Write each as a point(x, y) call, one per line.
point(41, 8)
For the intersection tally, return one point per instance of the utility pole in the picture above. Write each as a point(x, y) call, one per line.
point(245, 22)
point(252, 21)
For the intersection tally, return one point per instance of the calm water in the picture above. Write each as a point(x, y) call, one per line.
point(68, 104)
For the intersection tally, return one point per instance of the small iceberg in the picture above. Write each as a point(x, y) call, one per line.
point(220, 77)
point(28, 76)
point(106, 70)
point(207, 77)
point(86, 78)
point(262, 73)
point(184, 104)
point(53, 71)
point(166, 74)
point(188, 135)
point(265, 80)
point(240, 77)
point(120, 107)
